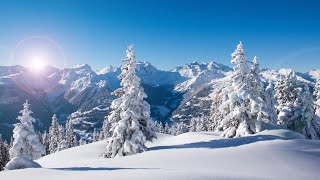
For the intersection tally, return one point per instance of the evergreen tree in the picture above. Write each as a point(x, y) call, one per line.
point(159, 127)
point(271, 103)
point(95, 135)
point(202, 124)
point(4, 154)
point(106, 130)
point(82, 141)
point(75, 141)
point(238, 121)
point(45, 141)
point(54, 135)
point(69, 134)
point(193, 125)
point(289, 108)
point(26, 146)
point(130, 116)
point(307, 114)
point(316, 96)
point(166, 128)
point(181, 128)
point(257, 96)
point(62, 143)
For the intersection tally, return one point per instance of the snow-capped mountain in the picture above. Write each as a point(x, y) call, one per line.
point(84, 95)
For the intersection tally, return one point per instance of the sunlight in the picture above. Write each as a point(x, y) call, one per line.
point(37, 62)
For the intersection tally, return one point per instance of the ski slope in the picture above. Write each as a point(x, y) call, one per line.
point(272, 154)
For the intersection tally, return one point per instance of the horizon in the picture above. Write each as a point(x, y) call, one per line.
point(166, 34)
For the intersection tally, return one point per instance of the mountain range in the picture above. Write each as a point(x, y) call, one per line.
point(83, 95)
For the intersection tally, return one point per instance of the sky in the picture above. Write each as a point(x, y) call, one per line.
point(166, 33)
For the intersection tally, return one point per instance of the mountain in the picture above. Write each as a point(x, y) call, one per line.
point(83, 95)
point(271, 154)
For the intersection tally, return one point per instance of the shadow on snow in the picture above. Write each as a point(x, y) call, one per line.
point(220, 143)
point(98, 169)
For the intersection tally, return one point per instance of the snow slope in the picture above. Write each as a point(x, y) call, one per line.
point(273, 154)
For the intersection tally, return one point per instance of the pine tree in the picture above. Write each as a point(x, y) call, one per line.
point(62, 143)
point(307, 114)
point(316, 96)
point(202, 124)
point(238, 121)
point(193, 125)
point(106, 130)
point(26, 146)
point(181, 128)
point(4, 154)
point(75, 141)
point(257, 96)
point(166, 128)
point(159, 127)
point(82, 141)
point(130, 116)
point(271, 103)
point(289, 108)
point(69, 134)
point(54, 135)
point(95, 135)
point(45, 141)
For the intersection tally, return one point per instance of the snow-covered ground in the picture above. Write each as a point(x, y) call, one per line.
point(273, 154)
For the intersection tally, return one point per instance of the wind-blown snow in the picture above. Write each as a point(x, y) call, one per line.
point(273, 154)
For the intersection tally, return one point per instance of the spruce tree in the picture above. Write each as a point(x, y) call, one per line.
point(237, 107)
point(307, 114)
point(69, 134)
point(4, 154)
point(130, 116)
point(54, 135)
point(271, 103)
point(26, 145)
point(316, 96)
point(95, 135)
point(45, 141)
point(193, 125)
point(61, 139)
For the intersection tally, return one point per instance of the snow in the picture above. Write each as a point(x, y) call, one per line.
point(272, 154)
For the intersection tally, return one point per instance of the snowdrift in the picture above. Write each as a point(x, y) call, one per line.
point(273, 154)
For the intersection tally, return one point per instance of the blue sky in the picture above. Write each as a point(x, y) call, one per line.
point(166, 33)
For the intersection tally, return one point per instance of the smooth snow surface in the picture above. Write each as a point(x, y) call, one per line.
point(273, 154)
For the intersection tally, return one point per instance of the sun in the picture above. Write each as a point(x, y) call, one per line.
point(37, 63)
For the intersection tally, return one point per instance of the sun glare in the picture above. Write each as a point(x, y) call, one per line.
point(37, 63)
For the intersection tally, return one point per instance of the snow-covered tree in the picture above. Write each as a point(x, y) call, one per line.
point(26, 146)
point(173, 129)
point(288, 108)
point(82, 141)
point(106, 130)
point(159, 127)
point(69, 134)
point(193, 125)
point(45, 141)
point(271, 102)
point(95, 135)
point(4, 153)
point(75, 141)
point(130, 116)
point(307, 114)
point(202, 124)
point(61, 139)
point(316, 96)
point(257, 96)
point(181, 128)
point(54, 135)
point(238, 121)
point(166, 128)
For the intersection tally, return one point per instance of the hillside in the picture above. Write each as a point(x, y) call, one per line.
point(271, 154)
